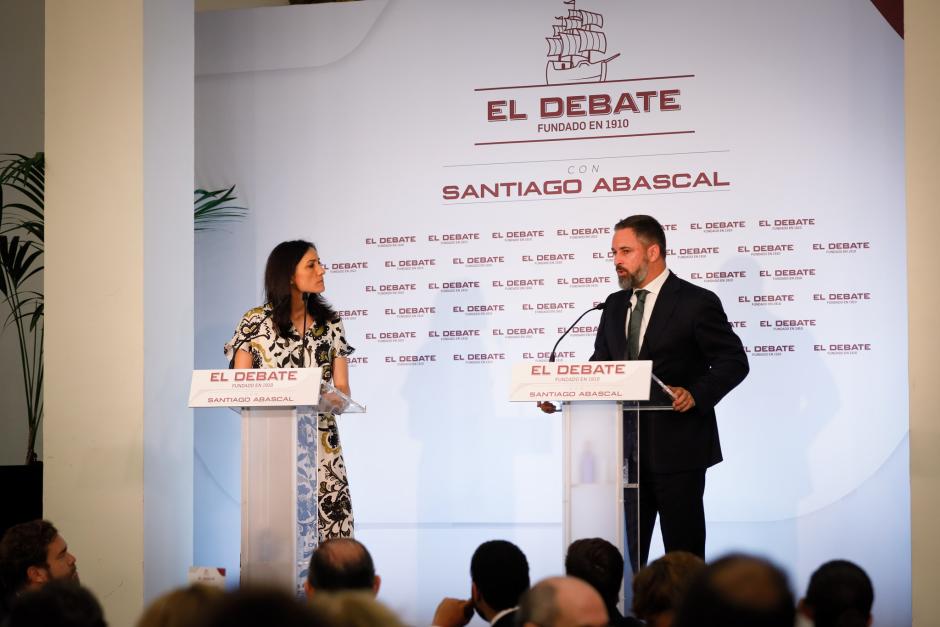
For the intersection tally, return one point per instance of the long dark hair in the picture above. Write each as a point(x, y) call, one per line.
point(282, 262)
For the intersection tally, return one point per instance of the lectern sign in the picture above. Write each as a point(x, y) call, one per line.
point(262, 387)
point(582, 381)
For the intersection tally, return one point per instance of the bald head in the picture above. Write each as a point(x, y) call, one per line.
point(562, 602)
point(341, 564)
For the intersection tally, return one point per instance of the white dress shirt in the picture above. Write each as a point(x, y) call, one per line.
point(499, 615)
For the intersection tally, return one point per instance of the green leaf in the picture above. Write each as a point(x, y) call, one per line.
point(213, 207)
point(22, 229)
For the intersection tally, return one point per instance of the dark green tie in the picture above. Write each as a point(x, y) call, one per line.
point(633, 329)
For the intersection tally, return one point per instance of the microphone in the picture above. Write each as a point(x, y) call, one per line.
point(252, 335)
point(598, 306)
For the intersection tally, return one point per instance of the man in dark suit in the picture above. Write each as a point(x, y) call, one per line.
point(499, 574)
point(599, 563)
point(683, 329)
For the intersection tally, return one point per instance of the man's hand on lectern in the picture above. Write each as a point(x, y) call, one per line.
point(547, 406)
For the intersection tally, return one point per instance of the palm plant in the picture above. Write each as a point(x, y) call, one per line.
point(22, 231)
point(211, 208)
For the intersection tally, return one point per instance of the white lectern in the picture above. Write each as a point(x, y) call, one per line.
point(279, 412)
point(597, 476)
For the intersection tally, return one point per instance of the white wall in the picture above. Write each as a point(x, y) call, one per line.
point(118, 480)
point(94, 406)
point(922, 91)
point(168, 293)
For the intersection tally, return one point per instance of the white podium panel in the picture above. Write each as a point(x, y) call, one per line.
point(593, 472)
point(269, 496)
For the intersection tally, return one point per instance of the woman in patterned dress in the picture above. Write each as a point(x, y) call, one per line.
point(297, 328)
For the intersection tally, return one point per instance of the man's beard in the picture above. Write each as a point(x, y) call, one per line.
point(72, 576)
point(628, 281)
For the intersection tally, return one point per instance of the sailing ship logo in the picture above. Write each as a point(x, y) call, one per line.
point(575, 47)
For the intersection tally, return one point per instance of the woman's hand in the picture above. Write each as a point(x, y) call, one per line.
point(332, 403)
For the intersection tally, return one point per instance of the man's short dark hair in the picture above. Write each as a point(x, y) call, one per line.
point(61, 603)
point(647, 229)
point(341, 564)
point(840, 593)
point(738, 591)
point(661, 587)
point(599, 563)
point(501, 573)
point(24, 545)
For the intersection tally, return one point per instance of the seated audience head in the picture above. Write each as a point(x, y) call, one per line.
point(562, 602)
point(341, 564)
point(354, 608)
point(660, 587)
point(253, 606)
point(33, 554)
point(839, 593)
point(183, 607)
point(62, 603)
point(599, 563)
point(499, 572)
point(738, 591)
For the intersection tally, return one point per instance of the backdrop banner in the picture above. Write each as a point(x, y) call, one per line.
point(460, 166)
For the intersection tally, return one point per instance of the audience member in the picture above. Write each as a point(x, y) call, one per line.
point(839, 594)
point(499, 574)
point(250, 607)
point(341, 564)
point(660, 587)
point(561, 602)
point(600, 563)
point(40, 577)
point(33, 554)
point(738, 591)
point(355, 608)
point(60, 603)
point(183, 607)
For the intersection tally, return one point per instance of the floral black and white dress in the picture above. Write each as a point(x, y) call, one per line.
point(256, 335)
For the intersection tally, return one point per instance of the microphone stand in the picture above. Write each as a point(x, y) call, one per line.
point(547, 406)
point(598, 306)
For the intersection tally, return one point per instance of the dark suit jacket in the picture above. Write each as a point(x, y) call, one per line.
point(616, 619)
point(692, 345)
